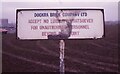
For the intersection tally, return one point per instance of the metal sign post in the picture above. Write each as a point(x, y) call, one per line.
point(62, 47)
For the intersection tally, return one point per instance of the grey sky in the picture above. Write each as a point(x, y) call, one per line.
point(9, 8)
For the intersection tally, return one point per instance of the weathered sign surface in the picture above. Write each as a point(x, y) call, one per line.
point(60, 23)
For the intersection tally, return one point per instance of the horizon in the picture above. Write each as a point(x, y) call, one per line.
point(11, 7)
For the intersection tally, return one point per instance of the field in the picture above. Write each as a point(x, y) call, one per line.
point(100, 55)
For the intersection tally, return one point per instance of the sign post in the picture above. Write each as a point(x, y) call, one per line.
point(62, 47)
point(60, 24)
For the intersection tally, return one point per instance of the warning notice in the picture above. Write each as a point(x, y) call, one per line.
point(59, 24)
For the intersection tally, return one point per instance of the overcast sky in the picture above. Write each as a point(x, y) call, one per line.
point(9, 8)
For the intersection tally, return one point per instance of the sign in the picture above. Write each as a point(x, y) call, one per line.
point(60, 23)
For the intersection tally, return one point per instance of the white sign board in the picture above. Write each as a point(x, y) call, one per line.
point(60, 23)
